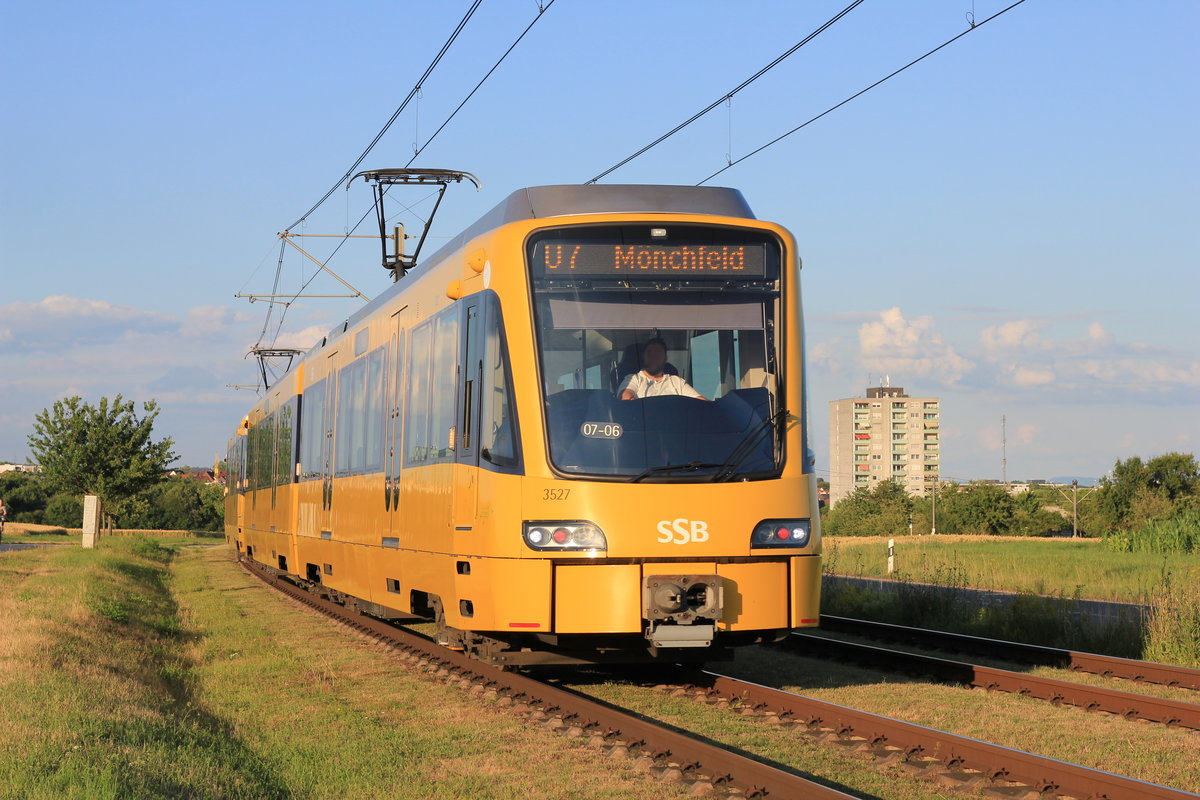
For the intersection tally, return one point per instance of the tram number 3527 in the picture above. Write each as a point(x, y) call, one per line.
point(601, 430)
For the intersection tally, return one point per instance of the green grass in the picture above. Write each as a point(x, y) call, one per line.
point(144, 669)
point(1173, 632)
point(1059, 567)
point(1049, 577)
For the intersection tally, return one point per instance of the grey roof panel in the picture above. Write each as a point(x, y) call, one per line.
point(555, 201)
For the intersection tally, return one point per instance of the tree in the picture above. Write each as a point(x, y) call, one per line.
point(1139, 492)
point(180, 504)
point(25, 495)
point(979, 508)
point(105, 450)
point(879, 511)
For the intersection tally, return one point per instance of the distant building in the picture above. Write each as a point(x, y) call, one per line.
point(886, 435)
point(202, 475)
point(20, 468)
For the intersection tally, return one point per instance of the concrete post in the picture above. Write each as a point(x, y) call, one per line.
point(91, 519)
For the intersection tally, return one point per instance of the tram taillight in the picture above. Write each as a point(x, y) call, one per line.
point(575, 536)
point(781, 533)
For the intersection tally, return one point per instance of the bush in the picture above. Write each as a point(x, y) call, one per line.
point(178, 504)
point(1177, 534)
point(65, 510)
point(1173, 631)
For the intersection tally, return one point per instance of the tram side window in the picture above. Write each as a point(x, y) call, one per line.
point(416, 421)
point(350, 455)
point(444, 386)
point(373, 420)
point(252, 457)
point(285, 443)
point(431, 390)
point(260, 453)
point(497, 426)
point(312, 415)
point(266, 461)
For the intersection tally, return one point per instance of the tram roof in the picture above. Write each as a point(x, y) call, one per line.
point(539, 202)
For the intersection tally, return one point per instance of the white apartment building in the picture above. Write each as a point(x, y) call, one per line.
point(886, 435)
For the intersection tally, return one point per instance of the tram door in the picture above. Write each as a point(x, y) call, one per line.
point(325, 517)
point(470, 379)
point(391, 431)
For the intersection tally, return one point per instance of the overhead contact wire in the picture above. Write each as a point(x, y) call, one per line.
point(471, 94)
point(777, 139)
point(412, 93)
point(731, 92)
point(541, 10)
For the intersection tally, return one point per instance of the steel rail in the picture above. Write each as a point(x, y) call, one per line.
point(1108, 666)
point(1058, 692)
point(995, 762)
point(694, 757)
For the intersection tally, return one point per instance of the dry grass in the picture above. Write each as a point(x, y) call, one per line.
point(20, 530)
point(1141, 750)
point(125, 677)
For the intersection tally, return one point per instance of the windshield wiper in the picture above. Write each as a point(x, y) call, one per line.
point(747, 446)
point(691, 466)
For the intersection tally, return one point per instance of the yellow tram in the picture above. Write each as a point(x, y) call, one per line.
point(575, 434)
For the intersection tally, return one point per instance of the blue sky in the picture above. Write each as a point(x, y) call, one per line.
point(1009, 225)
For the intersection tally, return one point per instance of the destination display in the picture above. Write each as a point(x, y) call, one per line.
point(563, 259)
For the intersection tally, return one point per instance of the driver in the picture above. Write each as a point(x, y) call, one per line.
point(651, 381)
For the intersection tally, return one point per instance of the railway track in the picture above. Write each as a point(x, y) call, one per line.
point(712, 769)
point(1059, 692)
point(669, 754)
point(1108, 666)
point(964, 763)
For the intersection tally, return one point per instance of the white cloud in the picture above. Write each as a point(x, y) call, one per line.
point(1097, 334)
point(303, 339)
point(1032, 376)
point(899, 347)
point(827, 355)
point(209, 321)
point(1137, 374)
point(61, 320)
point(1027, 434)
point(1025, 356)
point(62, 346)
point(1016, 335)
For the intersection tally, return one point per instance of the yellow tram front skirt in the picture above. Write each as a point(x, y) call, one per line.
point(763, 595)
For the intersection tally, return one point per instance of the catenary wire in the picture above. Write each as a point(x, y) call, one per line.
point(271, 306)
point(470, 94)
point(411, 94)
point(948, 42)
point(731, 92)
point(300, 291)
point(541, 10)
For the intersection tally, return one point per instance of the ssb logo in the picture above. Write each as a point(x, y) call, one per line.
point(682, 531)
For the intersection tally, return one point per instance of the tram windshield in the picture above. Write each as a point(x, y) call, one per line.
point(658, 351)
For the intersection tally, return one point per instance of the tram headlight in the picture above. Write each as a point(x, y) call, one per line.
point(564, 536)
point(781, 533)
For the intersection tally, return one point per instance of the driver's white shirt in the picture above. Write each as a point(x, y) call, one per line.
point(642, 385)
